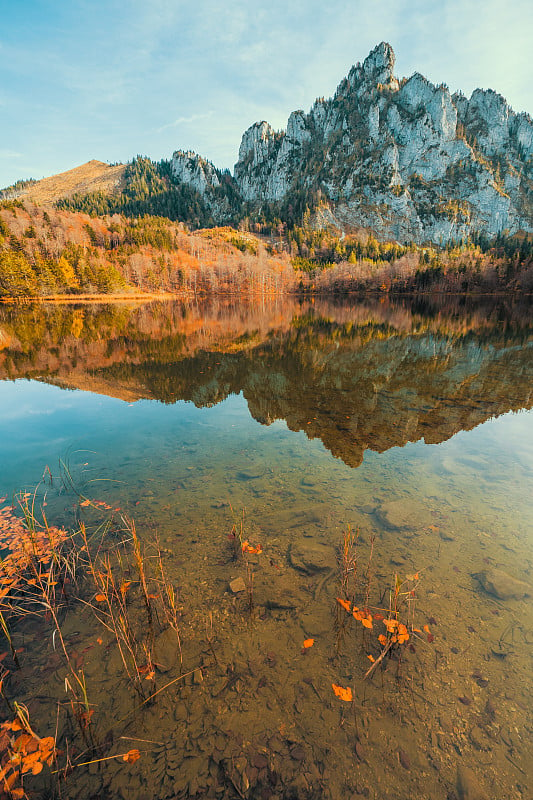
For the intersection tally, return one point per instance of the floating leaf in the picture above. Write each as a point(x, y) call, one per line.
point(131, 756)
point(249, 548)
point(344, 694)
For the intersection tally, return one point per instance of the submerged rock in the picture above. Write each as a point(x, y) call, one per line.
point(502, 585)
point(468, 787)
point(311, 557)
point(237, 585)
point(402, 515)
point(167, 651)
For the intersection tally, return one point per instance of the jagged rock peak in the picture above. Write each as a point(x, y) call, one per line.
point(408, 161)
point(190, 168)
point(379, 64)
point(378, 67)
point(258, 135)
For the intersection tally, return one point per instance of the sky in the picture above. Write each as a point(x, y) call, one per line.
point(103, 79)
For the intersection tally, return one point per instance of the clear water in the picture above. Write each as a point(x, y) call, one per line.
point(410, 423)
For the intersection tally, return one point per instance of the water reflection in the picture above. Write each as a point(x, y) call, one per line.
point(365, 377)
point(262, 721)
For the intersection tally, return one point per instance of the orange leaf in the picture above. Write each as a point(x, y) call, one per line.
point(100, 641)
point(426, 628)
point(345, 604)
point(149, 676)
point(344, 694)
point(390, 624)
point(382, 639)
point(131, 756)
point(371, 658)
point(100, 598)
point(309, 643)
point(367, 622)
point(248, 548)
point(37, 767)
point(47, 743)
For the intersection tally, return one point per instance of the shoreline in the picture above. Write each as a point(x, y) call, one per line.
point(137, 297)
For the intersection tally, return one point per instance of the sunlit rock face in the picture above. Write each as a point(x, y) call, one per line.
point(190, 168)
point(405, 159)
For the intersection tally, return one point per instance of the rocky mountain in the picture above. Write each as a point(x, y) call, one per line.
point(403, 158)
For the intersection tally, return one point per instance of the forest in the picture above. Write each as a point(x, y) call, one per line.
point(56, 252)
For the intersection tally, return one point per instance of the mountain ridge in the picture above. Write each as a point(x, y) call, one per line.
point(402, 158)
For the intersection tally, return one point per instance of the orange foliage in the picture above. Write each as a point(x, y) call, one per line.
point(343, 694)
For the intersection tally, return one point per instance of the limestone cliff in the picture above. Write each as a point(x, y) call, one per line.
point(404, 158)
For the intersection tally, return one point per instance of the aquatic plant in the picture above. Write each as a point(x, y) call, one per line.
point(22, 752)
point(47, 571)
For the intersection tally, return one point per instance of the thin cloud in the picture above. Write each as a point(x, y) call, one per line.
point(184, 121)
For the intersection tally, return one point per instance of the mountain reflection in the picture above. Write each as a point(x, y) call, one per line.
point(370, 375)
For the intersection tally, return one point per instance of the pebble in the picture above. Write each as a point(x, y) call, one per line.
point(237, 585)
point(405, 761)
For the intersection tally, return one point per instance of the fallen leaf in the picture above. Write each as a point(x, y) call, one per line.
point(345, 604)
point(309, 643)
point(343, 694)
point(131, 756)
point(100, 598)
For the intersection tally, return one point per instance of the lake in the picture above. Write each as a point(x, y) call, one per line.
point(380, 452)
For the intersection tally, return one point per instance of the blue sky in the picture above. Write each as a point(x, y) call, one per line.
point(105, 79)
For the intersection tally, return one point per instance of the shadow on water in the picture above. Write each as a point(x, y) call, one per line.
point(388, 417)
